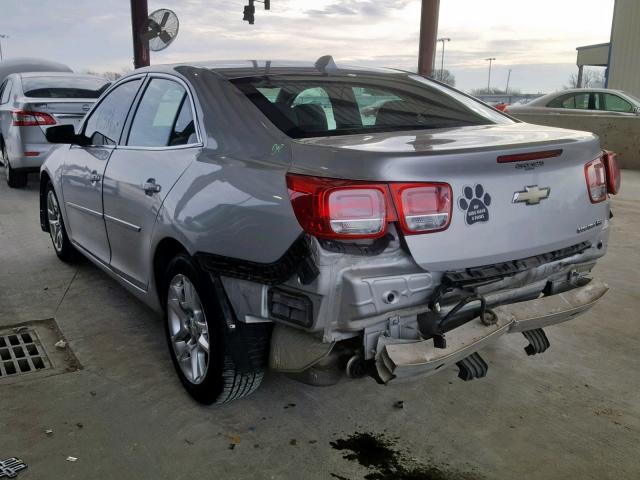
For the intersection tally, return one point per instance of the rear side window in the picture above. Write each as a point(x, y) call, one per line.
point(614, 103)
point(105, 124)
point(164, 117)
point(6, 91)
point(63, 87)
point(313, 105)
point(574, 101)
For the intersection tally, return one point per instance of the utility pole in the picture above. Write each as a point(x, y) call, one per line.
point(442, 39)
point(428, 36)
point(2, 36)
point(139, 15)
point(506, 90)
point(490, 60)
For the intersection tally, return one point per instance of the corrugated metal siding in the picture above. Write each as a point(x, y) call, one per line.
point(624, 70)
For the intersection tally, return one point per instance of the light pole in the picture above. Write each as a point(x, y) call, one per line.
point(442, 39)
point(506, 90)
point(490, 60)
point(2, 36)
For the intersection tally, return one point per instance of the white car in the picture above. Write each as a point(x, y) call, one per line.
point(589, 101)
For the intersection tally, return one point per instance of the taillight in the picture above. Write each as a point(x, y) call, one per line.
point(25, 118)
point(335, 209)
point(594, 172)
point(329, 208)
point(422, 207)
point(613, 172)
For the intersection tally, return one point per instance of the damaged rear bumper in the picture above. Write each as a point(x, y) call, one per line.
point(408, 358)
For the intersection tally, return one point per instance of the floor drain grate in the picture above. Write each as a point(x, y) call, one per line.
point(21, 353)
point(33, 350)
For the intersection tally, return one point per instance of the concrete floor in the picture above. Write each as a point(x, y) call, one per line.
point(573, 412)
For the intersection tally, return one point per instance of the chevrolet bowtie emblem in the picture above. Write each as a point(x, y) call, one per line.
point(10, 467)
point(531, 195)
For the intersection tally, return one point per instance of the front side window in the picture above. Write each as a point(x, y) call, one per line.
point(614, 103)
point(578, 101)
point(64, 86)
point(313, 105)
point(105, 124)
point(163, 117)
point(6, 91)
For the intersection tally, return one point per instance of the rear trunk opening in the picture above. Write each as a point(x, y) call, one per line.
point(502, 210)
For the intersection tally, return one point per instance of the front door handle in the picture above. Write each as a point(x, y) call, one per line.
point(94, 177)
point(150, 187)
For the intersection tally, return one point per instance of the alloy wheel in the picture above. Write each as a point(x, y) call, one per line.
point(55, 221)
point(188, 330)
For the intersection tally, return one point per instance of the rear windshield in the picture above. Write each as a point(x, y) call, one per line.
point(320, 105)
point(63, 87)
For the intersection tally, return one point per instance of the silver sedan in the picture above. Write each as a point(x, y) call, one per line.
point(30, 103)
point(324, 221)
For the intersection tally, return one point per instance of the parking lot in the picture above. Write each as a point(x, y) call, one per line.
point(573, 412)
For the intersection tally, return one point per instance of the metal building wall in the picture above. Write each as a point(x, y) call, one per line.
point(624, 64)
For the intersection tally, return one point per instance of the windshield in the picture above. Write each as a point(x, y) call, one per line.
point(329, 105)
point(63, 87)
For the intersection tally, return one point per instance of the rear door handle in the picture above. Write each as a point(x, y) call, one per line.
point(150, 187)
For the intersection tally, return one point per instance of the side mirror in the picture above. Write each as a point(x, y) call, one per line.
point(63, 134)
point(636, 110)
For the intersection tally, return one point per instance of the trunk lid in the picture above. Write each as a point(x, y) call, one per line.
point(64, 111)
point(487, 226)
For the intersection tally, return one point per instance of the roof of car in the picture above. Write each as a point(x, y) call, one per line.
point(59, 74)
point(587, 89)
point(250, 68)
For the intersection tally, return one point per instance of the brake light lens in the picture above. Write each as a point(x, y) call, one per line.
point(595, 174)
point(329, 208)
point(25, 118)
point(614, 178)
point(423, 207)
point(340, 209)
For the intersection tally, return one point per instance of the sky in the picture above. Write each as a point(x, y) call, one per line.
point(535, 39)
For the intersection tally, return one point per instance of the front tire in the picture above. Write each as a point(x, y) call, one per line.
point(57, 231)
point(215, 365)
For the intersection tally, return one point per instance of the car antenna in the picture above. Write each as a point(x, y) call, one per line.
point(325, 63)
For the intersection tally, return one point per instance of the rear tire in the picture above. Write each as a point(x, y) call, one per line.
point(14, 179)
point(215, 365)
point(57, 230)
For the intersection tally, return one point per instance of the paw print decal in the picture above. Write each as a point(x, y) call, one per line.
point(475, 203)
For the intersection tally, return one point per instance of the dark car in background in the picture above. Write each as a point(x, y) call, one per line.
point(32, 102)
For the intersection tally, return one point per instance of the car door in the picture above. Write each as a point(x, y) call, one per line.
point(162, 140)
point(84, 168)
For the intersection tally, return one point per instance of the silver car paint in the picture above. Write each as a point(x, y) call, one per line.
point(230, 197)
point(17, 140)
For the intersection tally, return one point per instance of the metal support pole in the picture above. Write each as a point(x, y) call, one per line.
point(428, 36)
point(139, 14)
point(580, 72)
point(506, 90)
point(2, 36)
point(443, 39)
point(489, 80)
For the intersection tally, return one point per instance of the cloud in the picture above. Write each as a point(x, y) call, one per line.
point(370, 8)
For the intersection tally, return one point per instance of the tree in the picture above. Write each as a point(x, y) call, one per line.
point(590, 79)
point(495, 91)
point(444, 76)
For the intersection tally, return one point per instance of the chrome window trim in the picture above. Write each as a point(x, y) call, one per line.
point(194, 112)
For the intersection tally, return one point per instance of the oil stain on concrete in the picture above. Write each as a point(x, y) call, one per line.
point(378, 454)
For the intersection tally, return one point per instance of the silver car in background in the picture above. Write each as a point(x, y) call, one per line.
point(322, 220)
point(32, 102)
point(586, 101)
